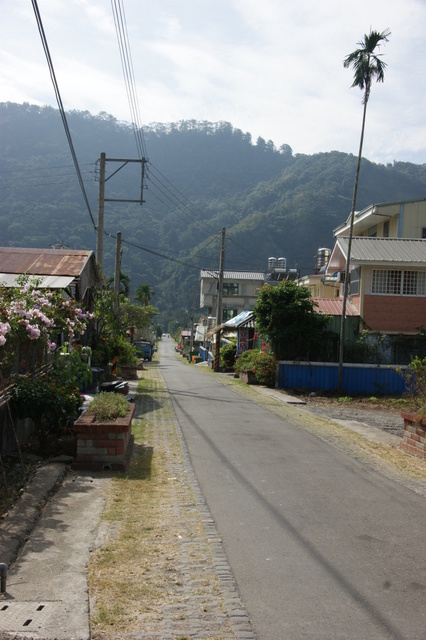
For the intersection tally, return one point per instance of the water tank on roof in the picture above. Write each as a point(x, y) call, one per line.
point(322, 258)
point(282, 264)
point(272, 264)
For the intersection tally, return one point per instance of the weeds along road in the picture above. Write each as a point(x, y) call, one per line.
point(321, 545)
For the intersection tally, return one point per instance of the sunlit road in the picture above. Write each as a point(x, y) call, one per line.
point(321, 546)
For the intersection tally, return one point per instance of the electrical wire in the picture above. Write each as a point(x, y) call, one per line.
point(182, 199)
point(61, 107)
point(153, 252)
point(128, 72)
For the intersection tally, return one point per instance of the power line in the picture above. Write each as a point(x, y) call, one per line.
point(129, 77)
point(153, 252)
point(182, 200)
point(61, 107)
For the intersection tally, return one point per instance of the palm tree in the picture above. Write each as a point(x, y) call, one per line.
point(367, 66)
point(143, 294)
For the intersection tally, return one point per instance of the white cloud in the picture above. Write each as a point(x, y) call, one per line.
point(273, 68)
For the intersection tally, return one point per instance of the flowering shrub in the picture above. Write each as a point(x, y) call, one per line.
point(265, 366)
point(29, 313)
point(262, 364)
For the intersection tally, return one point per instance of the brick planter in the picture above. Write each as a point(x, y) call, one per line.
point(104, 445)
point(414, 438)
point(129, 372)
point(249, 377)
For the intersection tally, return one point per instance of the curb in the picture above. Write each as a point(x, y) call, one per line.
point(20, 520)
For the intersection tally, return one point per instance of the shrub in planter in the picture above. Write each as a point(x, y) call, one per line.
point(415, 380)
point(227, 356)
point(106, 406)
point(245, 362)
point(265, 366)
point(262, 364)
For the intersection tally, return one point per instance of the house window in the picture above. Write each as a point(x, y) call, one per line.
point(354, 281)
point(394, 282)
point(386, 281)
point(228, 314)
point(424, 233)
point(372, 232)
point(230, 288)
point(386, 229)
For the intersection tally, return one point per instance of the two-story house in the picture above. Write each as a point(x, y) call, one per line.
point(240, 290)
point(387, 266)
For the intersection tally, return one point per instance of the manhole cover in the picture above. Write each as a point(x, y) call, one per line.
point(25, 616)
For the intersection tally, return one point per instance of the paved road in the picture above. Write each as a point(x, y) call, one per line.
point(322, 547)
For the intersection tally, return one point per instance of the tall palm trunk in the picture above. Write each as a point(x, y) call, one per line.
point(348, 257)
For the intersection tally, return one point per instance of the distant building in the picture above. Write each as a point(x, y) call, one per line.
point(240, 290)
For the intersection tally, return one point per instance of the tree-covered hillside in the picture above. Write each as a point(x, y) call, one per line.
point(200, 177)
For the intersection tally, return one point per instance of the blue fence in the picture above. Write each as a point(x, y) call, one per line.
point(356, 378)
point(205, 354)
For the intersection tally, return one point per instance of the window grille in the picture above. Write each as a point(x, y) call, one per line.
point(398, 282)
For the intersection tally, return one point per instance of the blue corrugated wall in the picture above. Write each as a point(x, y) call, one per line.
point(323, 376)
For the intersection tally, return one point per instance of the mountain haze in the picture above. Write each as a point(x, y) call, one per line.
point(201, 177)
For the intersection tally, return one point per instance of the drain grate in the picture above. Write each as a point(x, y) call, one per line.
point(25, 616)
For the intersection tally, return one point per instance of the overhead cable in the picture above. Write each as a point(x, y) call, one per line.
point(129, 77)
point(61, 107)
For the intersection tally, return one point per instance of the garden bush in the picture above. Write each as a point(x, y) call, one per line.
point(107, 406)
point(227, 355)
point(263, 365)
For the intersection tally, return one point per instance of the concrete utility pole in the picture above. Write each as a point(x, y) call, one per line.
point(101, 198)
point(219, 301)
point(191, 341)
point(117, 272)
point(101, 204)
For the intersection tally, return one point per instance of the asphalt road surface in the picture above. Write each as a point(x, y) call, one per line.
point(321, 546)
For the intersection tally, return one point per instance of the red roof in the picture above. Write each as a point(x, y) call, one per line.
point(333, 307)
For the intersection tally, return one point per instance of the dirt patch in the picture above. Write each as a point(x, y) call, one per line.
point(382, 413)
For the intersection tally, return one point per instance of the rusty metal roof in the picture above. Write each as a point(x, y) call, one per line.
point(49, 262)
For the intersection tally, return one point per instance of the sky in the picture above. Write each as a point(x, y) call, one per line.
point(272, 68)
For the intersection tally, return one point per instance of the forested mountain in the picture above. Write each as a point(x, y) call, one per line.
point(201, 176)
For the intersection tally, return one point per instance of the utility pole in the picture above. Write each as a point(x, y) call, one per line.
point(117, 272)
point(101, 198)
point(101, 204)
point(219, 301)
point(191, 341)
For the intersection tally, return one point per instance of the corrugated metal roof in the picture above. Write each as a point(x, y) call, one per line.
point(241, 319)
point(59, 262)
point(46, 282)
point(385, 250)
point(334, 306)
point(234, 275)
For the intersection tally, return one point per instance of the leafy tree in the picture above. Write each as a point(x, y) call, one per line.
point(367, 65)
point(285, 314)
